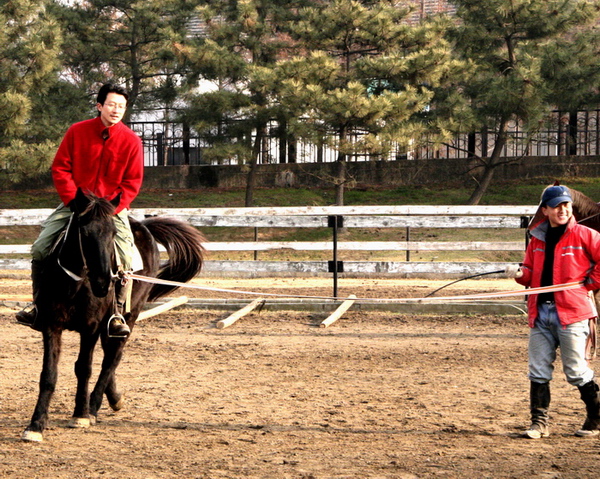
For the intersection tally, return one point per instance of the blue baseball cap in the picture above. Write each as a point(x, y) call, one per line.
point(555, 195)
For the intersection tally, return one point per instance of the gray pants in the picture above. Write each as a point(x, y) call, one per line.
point(548, 335)
point(58, 221)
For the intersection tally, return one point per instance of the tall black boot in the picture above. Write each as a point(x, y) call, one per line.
point(539, 400)
point(590, 395)
point(117, 326)
point(28, 315)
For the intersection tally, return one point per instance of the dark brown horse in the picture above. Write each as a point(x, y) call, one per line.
point(82, 299)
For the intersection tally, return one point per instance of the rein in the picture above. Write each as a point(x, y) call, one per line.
point(70, 273)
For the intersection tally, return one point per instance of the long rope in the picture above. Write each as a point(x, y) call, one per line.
point(462, 279)
point(498, 294)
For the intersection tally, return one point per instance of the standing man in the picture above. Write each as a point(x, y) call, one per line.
point(104, 157)
point(561, 251)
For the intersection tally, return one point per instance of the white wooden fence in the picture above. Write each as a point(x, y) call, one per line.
point(335, 217)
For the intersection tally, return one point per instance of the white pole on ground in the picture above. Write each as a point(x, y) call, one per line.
point(162, 308)
point(342, 308)
point(228, 321)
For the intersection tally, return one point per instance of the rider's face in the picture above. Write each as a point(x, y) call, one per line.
point(113, 109)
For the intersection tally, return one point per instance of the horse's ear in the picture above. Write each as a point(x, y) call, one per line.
point(556, 183)
point(80, 202)
point(116, 201)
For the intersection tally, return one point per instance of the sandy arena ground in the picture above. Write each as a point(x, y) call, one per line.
point(375, 395)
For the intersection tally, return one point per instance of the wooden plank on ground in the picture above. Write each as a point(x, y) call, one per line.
point(337, 314)
point(173, 303)
point(229, 320)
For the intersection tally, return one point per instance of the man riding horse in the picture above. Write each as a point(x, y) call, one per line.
point(104, 157)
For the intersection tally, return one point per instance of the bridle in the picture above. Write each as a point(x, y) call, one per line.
point(85, 268)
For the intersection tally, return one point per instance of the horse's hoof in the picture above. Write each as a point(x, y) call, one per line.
point(118, 405)
point(93, 420)
point(79, 422)
point(31, 436)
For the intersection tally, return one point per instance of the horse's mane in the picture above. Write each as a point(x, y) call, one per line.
point(584, 207)
point(585, 210)
point(97, 208)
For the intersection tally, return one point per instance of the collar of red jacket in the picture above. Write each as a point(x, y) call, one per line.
point(540, 229)
point(100, 128)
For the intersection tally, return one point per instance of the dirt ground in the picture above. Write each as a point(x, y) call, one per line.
point(375, 395)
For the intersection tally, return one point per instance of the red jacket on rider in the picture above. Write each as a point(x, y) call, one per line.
point(104, 161)
point(576, 259)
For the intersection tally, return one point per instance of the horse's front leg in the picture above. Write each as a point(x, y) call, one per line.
point(106, 383)
point(48, 378)
point(83, 372)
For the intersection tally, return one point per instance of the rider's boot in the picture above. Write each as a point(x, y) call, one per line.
point(539, 397)
point(117, 326)
point(28, 315)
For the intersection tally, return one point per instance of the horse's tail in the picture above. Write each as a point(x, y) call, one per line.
point(184, 247)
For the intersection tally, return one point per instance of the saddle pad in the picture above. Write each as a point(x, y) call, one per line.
point(137, 263)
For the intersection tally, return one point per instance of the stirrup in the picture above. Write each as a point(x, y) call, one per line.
point(120, 328)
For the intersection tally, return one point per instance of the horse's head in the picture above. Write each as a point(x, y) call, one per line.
point(93, 219)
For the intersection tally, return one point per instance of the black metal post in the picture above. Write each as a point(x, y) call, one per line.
point(335, 267)
point(255, 240)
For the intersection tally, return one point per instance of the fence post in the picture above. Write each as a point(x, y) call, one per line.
point(255, 240)
point(335, 267)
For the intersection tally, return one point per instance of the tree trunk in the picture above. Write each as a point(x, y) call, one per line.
point(490, 165)
point(340, 182)
point(251, 178)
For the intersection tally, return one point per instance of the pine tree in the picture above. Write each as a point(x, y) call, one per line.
point(242, 39)
point(30, 40)
point(363, 78)
point(515, 49)
point(130, 42)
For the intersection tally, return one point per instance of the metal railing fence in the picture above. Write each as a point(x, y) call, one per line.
point(575, 134)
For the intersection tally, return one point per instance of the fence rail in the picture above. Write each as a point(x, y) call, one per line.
point(498, 218)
